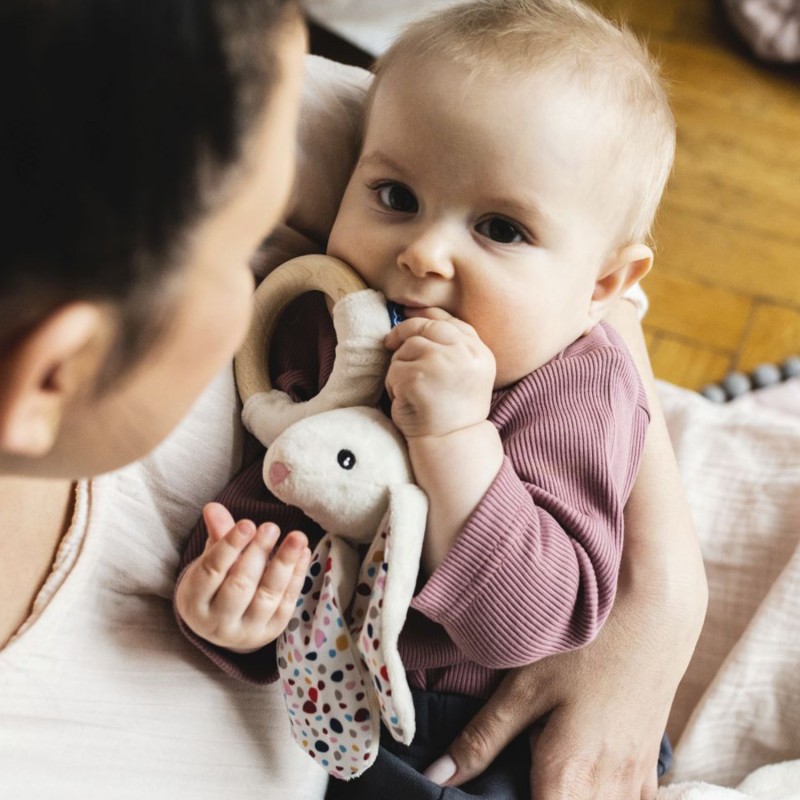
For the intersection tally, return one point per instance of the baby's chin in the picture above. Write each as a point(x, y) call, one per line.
point(513, 371)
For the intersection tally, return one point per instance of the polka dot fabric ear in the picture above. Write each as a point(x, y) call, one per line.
point(333, 712)
point(377, 638)
point(367, 615)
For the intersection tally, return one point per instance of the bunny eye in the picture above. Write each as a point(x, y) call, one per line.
point(346, 459)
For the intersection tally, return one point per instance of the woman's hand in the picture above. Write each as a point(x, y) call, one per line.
point(607, 706)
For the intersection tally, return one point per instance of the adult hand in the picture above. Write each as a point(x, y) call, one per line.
point(606, 707)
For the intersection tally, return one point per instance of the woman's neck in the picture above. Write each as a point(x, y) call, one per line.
point(35, 513)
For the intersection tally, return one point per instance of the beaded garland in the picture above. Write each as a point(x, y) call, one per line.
point(737, 383)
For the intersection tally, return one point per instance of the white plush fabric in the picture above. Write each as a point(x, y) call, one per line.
point(773, 782)
point(361, 322)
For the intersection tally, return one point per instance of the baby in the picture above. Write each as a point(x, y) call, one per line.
point(513, 158)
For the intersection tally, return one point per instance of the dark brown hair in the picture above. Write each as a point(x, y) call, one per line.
point(121, 119)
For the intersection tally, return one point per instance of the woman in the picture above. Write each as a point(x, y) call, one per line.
point(148, 149)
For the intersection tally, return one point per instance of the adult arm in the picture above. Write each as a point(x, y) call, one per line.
point(603, 708)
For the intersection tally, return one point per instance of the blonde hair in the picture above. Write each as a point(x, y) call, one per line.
point(572, 39)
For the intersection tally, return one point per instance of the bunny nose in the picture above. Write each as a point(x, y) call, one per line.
point(278, 471)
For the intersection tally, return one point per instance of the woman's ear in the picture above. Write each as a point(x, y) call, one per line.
point(626, 267)
point(41, 373)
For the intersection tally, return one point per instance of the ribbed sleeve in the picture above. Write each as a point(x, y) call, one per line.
point(534, 570)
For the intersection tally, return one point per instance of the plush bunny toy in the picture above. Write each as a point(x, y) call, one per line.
point(345, 465)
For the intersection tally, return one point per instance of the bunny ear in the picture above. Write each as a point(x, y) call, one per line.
point(333, 713)
point(385, 587)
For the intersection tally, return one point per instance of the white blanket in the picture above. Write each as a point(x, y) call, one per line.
point(739, 706)
point(773, 782)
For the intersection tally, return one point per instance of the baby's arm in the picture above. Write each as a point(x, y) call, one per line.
point(440, 382)
point(543, 528)
point(238, 594)
point(303, 353)
point(534, 569)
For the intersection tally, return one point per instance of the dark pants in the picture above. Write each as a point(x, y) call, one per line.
point(397, 772)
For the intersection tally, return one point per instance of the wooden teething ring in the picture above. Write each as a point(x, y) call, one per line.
point(286, 283)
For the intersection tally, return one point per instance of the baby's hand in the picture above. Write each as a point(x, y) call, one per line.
point(441, 375)
point(239, 594)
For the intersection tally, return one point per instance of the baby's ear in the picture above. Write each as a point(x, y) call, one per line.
point(623, 269)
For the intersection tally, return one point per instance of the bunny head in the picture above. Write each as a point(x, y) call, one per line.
point(338, 466)
point(344, 464)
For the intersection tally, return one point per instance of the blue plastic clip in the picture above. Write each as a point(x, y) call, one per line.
point(396, 315)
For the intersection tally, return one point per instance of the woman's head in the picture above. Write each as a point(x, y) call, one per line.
point(147, 151)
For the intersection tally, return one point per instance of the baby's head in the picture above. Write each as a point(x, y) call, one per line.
point(514, 155)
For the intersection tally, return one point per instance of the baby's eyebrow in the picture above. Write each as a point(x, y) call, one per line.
point(378, 159)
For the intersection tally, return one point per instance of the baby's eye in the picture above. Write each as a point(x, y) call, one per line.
point(501, 230)
point(398, 198)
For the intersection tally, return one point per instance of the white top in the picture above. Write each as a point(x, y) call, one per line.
point(100, 695)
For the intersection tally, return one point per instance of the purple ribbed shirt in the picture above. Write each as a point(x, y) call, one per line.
point(534, 570)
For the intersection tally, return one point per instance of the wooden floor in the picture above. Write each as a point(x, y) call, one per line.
point(725, 290)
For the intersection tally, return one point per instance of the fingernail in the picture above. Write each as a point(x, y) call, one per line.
point(441, 771)
point(267, 534)
point(244, 529)
point(295, 543)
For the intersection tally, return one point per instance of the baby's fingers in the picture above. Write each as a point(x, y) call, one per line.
point(239, 587)
point(281, 582)
point(434, 313)
point(436, 326)
point(211, 569)
point(218, 521)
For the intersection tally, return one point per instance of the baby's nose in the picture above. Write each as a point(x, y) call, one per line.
point(278, 471)
point(430, 254)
